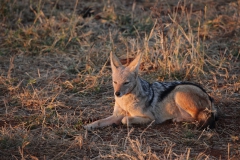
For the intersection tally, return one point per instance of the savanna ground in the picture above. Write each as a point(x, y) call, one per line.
point(55, 76)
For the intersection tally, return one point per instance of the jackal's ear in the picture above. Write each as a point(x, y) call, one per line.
point(115, 63)
point(134, 65)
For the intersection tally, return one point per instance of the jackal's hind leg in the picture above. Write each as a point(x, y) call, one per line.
point(195, 107)
point(183, 116)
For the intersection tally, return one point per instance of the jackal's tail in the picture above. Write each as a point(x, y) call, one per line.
point(207, 118)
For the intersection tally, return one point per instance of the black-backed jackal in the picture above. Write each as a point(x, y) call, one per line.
point(139, 102)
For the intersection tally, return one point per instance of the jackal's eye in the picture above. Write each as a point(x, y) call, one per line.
point(125, 83)
point(114, 82)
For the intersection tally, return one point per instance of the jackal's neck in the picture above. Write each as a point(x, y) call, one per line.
point(142, 89)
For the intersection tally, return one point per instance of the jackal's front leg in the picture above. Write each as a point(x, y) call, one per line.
point(105, 122)
point(135, 120)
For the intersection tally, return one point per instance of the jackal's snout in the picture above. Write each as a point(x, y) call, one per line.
point(118, 89)
point(117, 93)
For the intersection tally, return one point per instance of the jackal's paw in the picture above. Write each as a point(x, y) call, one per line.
point(88, 127)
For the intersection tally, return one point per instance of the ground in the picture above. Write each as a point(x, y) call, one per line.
point(55, 76)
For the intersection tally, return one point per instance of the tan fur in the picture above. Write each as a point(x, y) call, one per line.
point(183, 103)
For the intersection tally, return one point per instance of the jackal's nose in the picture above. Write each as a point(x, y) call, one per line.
point(117, 94)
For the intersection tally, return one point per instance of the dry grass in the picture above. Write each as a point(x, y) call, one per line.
point(55, 76)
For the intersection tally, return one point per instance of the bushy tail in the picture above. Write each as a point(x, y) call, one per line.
point(207, 118)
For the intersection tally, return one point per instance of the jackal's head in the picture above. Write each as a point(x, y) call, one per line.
point(124, 77)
